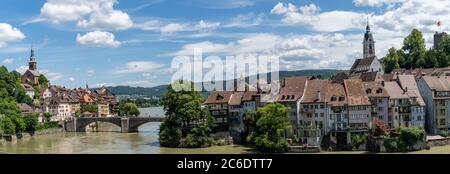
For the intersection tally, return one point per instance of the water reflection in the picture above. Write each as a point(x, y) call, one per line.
point(144, 142)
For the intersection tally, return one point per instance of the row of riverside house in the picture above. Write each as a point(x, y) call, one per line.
point(63, 103)
point(346, 104)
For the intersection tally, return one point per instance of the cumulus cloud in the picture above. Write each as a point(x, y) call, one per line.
point(98, 39)
point(170, 28)
point(138, 67)
point(311, 15)
point(22, 69)
point(139, 83)
point(9, 34)
point(8, 61)
point(375, 3)
point(308, 51)
point(96, 14)
point(246, 20)
point(52, 76)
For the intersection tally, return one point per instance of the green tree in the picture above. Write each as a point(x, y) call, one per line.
point(128, 109)
point(47, 116)
point(414, 47)
point(31, 122)
point(431, 60)
point(7, 126)
point(89, 108)
point(9, 108)
point(186, 123)
point(43, 81)
point(358, 140)
point(182, 106)
point(409, 137)
point(271, 124)
point(391, 61)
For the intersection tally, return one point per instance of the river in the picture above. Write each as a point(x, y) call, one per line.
point(110, 142)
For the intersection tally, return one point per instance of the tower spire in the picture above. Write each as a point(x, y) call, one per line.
point(32, 57)
point(32, 65)
point(368, 24)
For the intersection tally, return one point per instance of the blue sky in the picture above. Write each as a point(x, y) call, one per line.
point(132, 42)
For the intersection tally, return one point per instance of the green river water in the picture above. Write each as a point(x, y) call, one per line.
point(114, 142)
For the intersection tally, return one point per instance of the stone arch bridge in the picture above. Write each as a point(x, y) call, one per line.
point(126, 124)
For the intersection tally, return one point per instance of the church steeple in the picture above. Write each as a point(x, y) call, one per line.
point(32, 65)
point(368, 43)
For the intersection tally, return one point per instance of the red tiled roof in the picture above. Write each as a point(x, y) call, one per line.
point(292, 89)
point(315, 91)
point(356, 94)
point(218, 97)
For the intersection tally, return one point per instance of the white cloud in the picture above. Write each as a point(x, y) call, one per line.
point(375, 3)
point(170, 28)
point(174, 27)
point(246, 20)
point(8, 61)
point(52, 76)
point(202, 25)
point(90, 72)
point(310, 15)
point(98, 39)
point(307, 51)
point(71, 79)
point(139, 83)
point(22, 69)
point(96, 14)
point(9, 34)
point(138, 67)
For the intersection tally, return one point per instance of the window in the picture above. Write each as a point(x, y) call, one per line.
point(380, 101)
point(333, 98)
point(380, 117)
point(380, 108)
point(341, 98)
point(442, 111)
point(316, 106)
point(316, 115)
point(322, 114)
point(379, 91)
point(322, 106)
point(442, 122)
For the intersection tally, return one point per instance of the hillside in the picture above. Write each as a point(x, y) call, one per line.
point(158, 91)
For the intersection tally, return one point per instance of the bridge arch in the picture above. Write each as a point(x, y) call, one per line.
point(126, 124)
point(82, 123)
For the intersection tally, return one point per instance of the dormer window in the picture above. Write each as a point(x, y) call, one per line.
point(292, 97)
point(219, 97)
point(368, 91)
point(283, 97)
point(379, 91)
point(333, 98)
point(341, 98)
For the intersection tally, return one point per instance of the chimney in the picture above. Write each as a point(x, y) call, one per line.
point(318, 95)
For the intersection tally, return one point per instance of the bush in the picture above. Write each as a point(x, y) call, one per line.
point(390, 145)
point(31, 123)
point(443, 133)
point(358, 140)
point(409, 137)
point(198, 137)
point(169, 136)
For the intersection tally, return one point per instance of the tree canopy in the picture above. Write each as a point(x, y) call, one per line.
point(187, 124)
point(414, 54)
point(272, 121)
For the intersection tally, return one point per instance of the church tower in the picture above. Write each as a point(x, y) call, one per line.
point(368, 43)
point(32, 65)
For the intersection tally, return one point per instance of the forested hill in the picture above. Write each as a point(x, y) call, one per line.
point(158, 91)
